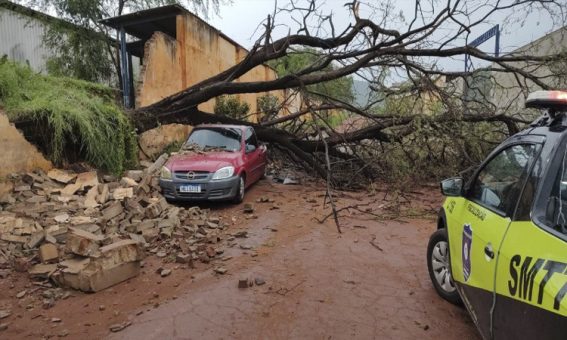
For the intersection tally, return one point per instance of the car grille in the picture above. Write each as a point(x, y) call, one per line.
point(197, 175)
point(219, 192)
point(191, 194)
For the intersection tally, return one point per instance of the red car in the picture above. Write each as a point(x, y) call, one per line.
point(217, 162)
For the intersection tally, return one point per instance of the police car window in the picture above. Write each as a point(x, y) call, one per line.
point(556, 209)
point(528, 194)
point(498, 184)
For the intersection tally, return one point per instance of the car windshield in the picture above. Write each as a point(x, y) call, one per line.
point(215, 139)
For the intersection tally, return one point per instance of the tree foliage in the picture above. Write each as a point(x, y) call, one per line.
point(231, 106)
point(295, 62)
point(84, 49)
point(268, 106)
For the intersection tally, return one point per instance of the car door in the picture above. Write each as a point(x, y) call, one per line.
point(531, 281)
point(255, 161)
point(484, 216)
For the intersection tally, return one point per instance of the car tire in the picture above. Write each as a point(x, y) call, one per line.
point(439, 267)
point(239, 196)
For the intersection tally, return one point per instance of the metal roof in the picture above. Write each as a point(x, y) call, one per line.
point(144, 23)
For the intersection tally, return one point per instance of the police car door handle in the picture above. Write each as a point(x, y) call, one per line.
point(488, 251)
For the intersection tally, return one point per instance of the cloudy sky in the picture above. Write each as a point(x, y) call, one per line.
point(240, 20)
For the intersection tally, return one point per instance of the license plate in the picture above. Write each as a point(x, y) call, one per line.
point(190, 188)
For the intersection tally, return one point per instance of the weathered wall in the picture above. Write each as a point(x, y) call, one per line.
point(199, 53)
point(152, 142)
point(504, 91)
point(160, 75)
point(18, 155)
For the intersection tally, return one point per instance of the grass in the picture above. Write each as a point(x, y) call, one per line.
point(71, 114)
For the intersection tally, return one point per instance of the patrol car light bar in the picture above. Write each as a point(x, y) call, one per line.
point(547, 99)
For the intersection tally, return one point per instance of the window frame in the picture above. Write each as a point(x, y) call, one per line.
point(555, 158)
point(523, 178)
point(252, 136)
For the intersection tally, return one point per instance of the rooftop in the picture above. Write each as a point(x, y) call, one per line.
point(143, 24)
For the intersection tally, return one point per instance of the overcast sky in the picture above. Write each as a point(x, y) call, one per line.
point(240, 20)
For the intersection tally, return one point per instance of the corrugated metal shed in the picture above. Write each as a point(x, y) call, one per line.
point(21, 39)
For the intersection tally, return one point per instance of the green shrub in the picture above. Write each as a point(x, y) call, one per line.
point(69, 114)
point(269, 106)
point(231, 106)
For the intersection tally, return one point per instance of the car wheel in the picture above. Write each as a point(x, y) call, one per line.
point(239, 197)
point(438, 263)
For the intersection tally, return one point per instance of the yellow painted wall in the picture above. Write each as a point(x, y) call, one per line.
point(160, 75)
point(18, 155)
point(199, 53)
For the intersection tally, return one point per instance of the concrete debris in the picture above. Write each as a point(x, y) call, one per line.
point(70, 189)
point(87, 180)
point(136, 175)
point(48, 252)
point(128, 182)
point(158, 164)
point(61, 176)
point(63, 218)
point(184, 258)
point(119, 326)
point(243, 283)
point(248, 208)
point(78, 232)
point(259, 281)
point(42, 270)
point(5, 313)
point(165, 272)
point(122, 193)
point(221, 270)
point(83, 243)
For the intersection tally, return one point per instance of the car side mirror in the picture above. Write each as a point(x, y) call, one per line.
point(452, 186)
point(250, 148)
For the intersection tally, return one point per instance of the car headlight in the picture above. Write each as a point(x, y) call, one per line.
point(223, 173)
point(165, 173)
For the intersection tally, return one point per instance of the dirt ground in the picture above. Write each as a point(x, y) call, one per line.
point(370, 281)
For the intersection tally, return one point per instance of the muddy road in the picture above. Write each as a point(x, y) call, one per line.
point(369, 282)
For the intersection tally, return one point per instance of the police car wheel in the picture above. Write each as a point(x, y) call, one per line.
point(438, 264)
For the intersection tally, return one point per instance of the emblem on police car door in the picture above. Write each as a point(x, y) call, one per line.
point(466, 251)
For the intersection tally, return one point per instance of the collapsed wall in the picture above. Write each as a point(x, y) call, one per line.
point(17, 154)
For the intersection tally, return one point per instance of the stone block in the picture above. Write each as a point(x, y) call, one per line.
point(122, 193)
point(35, 239)
point(93, 279)
point(42, 270)
point(87, 180)
point(112, 211)
point(61, 176)
point(83, 243)
point(48, 252)
point(103, 193)
point(70, 189)
point(128, 182)
point(136, 175)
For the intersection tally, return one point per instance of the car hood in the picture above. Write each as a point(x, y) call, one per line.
point(210, 161)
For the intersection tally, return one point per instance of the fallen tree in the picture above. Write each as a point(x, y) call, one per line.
point(379, 47)
point(367, 48)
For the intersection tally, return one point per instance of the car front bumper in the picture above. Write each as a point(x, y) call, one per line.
point(211, 190)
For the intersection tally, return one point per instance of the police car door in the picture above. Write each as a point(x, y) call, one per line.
point(531, 285)
point(488, 204)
